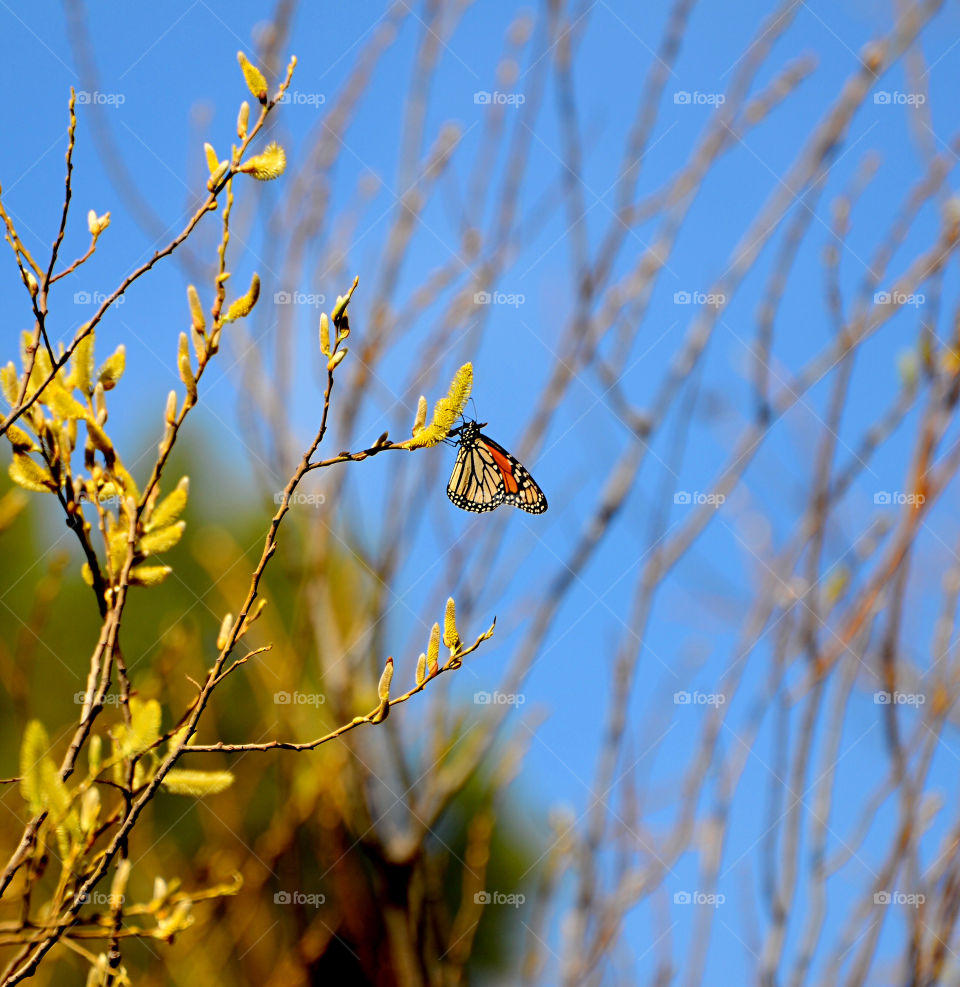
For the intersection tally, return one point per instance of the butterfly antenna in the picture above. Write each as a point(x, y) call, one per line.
point(474, 403)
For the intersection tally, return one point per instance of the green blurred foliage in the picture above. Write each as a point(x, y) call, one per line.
point(292, 822)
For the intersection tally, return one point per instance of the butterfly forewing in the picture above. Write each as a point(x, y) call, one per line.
point(485, 475)
point(475, 484)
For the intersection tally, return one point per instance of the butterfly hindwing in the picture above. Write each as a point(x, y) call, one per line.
point(520, 488)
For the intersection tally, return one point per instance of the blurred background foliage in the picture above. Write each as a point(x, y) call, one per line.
point(291, 824)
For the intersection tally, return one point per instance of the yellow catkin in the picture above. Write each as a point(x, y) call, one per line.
point(433, 650)
point(196, 309)
point(451, 638)
point(213, 162)
point(446, 411)
point(243, 306)
point(254, 78)
point(268, 165)
point(324, 334)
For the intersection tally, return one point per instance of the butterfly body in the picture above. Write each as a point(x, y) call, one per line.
point(485, 475)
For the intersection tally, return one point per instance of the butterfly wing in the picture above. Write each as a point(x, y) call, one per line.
point(519, 487)
point(476, 483)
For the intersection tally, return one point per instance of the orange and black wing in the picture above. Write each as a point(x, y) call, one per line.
point(519, 487)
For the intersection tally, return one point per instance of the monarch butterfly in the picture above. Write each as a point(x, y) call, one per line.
point(485, 475)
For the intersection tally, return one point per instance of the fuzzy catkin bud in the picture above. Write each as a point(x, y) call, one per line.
point(225, 627)
point(268, 165)
point(383, 689)
point(433, 650)
point(196, 309)
point(183, 364)
point(243, 119)
point(242, 306)
point(213, 162)
point(342, 302)
point(254, 78)
point(421, 418)
point(97, 224)
point(451, 638)
point(324, 334)
point(446, 411)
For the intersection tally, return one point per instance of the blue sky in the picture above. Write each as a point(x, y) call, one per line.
point(174, 66)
